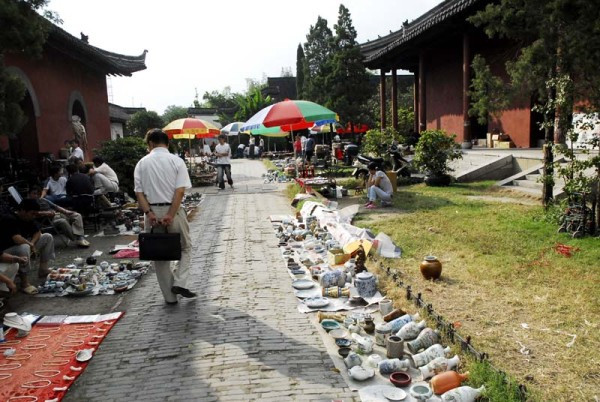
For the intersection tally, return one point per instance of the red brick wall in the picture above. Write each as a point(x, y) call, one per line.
point(54, 77)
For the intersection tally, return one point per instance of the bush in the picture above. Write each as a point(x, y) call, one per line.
point(376, 142)
point(122, 155)
point(433, 152)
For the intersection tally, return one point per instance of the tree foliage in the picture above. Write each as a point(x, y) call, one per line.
point(318, 51)
point(174, 112)
point(143, 121)
point(251, 103)
point(122, 155)
point(225, 103)
point(434, 150)
point(300, 60)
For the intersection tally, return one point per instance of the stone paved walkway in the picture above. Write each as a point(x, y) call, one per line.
point(241, 339)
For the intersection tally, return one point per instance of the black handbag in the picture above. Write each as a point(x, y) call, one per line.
point(159, 246)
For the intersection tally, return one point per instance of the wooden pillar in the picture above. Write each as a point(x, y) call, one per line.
point(382, 100)
point(466, 81)
point(422, 114)
point(416, 101)
point(394, 100)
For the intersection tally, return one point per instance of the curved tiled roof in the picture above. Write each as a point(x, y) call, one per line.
point(375, 49)
point(102, 60)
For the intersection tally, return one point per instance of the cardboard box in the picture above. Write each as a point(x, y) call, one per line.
point(504, 144)
point(393, 178)
point(336, 256)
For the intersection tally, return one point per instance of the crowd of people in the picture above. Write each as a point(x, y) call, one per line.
point(26, 230)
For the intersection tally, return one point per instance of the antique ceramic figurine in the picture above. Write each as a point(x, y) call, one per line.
point(361, 259)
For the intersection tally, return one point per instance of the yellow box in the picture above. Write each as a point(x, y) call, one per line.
point(504, 144)
point(393, 179)
point(336, 256)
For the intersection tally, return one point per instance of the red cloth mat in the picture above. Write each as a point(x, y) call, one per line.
point(51, 369)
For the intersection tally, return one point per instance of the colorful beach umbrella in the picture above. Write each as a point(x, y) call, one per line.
point(232, 128)
point(190, 128)
point(291, 115)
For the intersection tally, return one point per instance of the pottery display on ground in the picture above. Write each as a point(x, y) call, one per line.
point(411, 330)
point(374, 360)
point(339, 333)
point(385, 307)
point(394, 394)
point(400, 379)
point(330, 316)
point(437, 350)
point(399, 322)
point(438, 365)
point(303, 284)
point(421, 392)
point(343, 342)
point(392, 315)
point(353, 359)
point(388, 366)
point(336, 292)
point(316, 302)
point(344, 351)
point(366, 284)
point(431, 268)
point(444, 382)
point(426, 338)
point(329, 325)
point(463, 394)
point(394, 347)
point(360, 373)
point(382, 332)
point(333, 278)
point(369, 325)
point(364, 343)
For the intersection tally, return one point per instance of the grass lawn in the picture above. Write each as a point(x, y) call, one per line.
point(502, 282)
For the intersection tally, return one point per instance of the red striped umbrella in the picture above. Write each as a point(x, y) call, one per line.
point(190, 128)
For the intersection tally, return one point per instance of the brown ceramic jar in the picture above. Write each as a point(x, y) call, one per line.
point(431, 268)
point(393, 315)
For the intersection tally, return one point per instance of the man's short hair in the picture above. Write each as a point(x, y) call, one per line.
point(98, 160)
point(28, 204)
point(35, 188)
point(372, 166)
point(157, 136)
point(75, 142)
point(71, 168)
point(53, 170)
point(222, 137)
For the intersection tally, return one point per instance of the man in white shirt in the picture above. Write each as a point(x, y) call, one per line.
point(223, 163)
point(303, 142)
point(55, 189)
point(378, 186)
point(105, 179)
point(160, 180)
point(77, 152)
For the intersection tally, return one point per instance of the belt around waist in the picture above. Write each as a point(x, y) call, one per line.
point(161, 204)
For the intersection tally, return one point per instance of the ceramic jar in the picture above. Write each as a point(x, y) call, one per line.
point(382, 332)
point(350, 266)
point(369, 326)
point(392, 315)
point(364, 343)
point(333, 278)
point(431, 268)
point(359, 373)
point(444, 382)
point(366, 284)
point(352, 360)
point(437, 350)
point(394, 347)
point(336, 292)
point(385, 307)
point(438, 365)
point(374, 360)
point(388, 366)
point(426, 338)
point(421, 392)
point(411, 330)
point(463, 394)
point(399, 322)
point(348, 321)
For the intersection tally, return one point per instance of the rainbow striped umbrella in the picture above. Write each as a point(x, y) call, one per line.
point(290, 115)
point(190, 128)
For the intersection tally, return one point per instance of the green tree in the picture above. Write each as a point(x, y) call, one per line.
point(348, 81)
point(24, 32)
point(143, 121)
point(225, 103)
point(250, 103)
point(300, 66)
point(122, 155)
point(174, 112)
point(557, 63)
point(318, 50)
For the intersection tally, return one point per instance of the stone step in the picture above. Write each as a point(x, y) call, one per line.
point(528, 183)
point(533, 177)
point(529, 191)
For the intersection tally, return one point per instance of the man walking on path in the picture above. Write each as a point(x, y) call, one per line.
point(160, 180)
point(223, 154)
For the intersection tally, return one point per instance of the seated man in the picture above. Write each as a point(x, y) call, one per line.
point(76, 150)
point(55, 188)
point(105, 179)
point(20, 236)
point(9, 266)
point(68, 223)
point(78, 183)
point(378, 186)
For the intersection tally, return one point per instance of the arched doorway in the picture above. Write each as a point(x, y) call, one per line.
point(78, 110)
point(24, 147)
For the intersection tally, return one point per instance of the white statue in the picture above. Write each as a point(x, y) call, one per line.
point(79, 130)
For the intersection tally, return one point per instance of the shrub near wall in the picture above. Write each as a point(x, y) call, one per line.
point(122, 155)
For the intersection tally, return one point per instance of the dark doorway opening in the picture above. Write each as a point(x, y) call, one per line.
point(478, 131)
point(77, 110)
point(24, 147)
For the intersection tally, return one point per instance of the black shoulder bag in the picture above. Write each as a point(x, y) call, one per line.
point(160, 246)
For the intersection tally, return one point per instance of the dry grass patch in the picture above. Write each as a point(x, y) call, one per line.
point(520, 300)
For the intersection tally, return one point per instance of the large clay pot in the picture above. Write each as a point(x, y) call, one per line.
point(431, 268)
point(444, 382)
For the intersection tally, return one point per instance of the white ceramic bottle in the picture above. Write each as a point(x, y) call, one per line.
point(411, 330)
point(399, 322)
point(438, 365)
point(437, 350)
point(463, 394)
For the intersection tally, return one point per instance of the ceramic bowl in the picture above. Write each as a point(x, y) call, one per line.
point(343, 342)
point(338, 333)
point(329, 325)
point(400, 379)
point(344, 351)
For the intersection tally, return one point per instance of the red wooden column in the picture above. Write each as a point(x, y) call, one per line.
point(416, 101)
point(394, 100)
point(422, 114)
point(382, 100)
point(466, 81)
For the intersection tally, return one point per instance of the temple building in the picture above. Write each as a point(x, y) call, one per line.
point(438, 48)
point(69, 79)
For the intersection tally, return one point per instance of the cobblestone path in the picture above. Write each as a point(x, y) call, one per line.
point(241, 339)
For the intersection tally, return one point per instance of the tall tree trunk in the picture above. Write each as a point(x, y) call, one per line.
point(548, 170)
